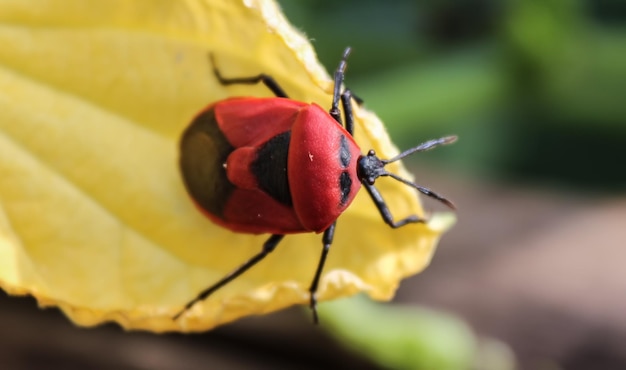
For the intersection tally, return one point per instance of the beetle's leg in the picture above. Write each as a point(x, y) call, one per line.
point(345, 97)
point(357, 99)
point(384, 210)
point(346, 103)
point(327, 240)
point(268, 247)
point(265, 79)
point(338, 80)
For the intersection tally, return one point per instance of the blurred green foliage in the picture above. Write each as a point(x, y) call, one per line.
point(536, 89)
point(401, 337)
point(408, 337)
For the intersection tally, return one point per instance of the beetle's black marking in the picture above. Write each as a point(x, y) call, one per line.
point(344, 152)
point(204, 150)
point(270, 168)
point(345, 185)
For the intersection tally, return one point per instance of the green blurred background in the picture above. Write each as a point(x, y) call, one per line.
point(536, 89)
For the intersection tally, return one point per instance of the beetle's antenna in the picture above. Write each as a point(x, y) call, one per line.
point(424, 190)
point(422, 148)
point(370, 167)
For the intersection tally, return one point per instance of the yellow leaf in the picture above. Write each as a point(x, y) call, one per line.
point(94, 218)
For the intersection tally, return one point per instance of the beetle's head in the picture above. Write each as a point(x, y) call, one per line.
point(370, 167)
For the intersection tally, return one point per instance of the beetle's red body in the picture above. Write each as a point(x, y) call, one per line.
point(269, 165)
point(280, 166)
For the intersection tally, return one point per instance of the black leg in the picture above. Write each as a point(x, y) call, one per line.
point(265, 79)
point(345, 97)
point(327, 240)
point(346, 103)
point(339, 73)
point(268, 247)
point(384, 210)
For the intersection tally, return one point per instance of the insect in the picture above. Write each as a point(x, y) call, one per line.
point(280, 166)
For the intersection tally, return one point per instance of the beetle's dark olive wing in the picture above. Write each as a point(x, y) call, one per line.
point(203, 152)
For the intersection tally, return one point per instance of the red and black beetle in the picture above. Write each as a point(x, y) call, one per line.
point(280, 166)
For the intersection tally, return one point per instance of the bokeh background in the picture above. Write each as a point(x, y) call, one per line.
point(536, 90)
